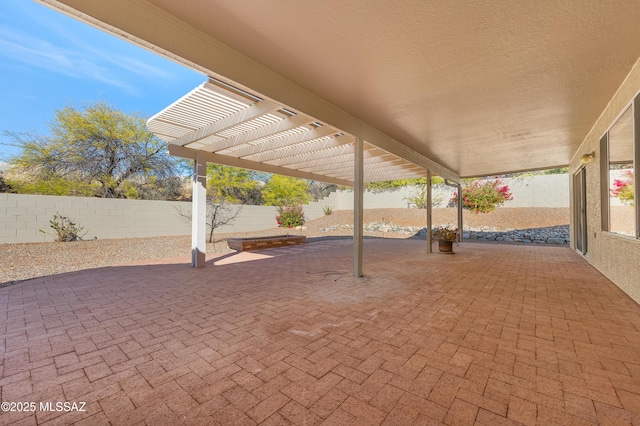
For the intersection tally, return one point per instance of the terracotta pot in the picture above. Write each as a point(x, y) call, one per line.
point(445, 246)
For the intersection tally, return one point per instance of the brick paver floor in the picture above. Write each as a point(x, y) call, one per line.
point(494, 335)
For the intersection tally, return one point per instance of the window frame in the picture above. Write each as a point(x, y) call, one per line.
point(604, 170)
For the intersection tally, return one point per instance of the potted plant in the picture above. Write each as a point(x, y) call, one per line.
point(445, 236)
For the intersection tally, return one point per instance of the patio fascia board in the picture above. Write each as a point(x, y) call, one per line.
point(142, 23)
point(182, 152)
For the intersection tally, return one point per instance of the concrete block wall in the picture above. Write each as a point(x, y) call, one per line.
point(539, 191)
point(23, 216)
point(529, 191)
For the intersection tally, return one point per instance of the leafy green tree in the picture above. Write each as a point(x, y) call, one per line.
point(51, 185)
point(559, 171)
point(233, 184)
point(394, 185)
point(285, 191)
point(99, 146)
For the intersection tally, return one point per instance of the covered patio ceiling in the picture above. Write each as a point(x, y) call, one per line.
point(478, 86)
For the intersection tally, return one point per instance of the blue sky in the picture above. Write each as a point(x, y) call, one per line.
point(49, 60)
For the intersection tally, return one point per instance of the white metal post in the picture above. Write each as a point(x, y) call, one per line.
point(460, 211)
point(199, 213)
point(429, 212)
point(358, 190)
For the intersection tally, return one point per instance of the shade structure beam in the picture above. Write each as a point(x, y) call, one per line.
point(182, 152)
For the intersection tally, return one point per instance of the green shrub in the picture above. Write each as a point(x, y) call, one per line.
point(290, 216)
point(560, 171)
point(483, 196)
point(418, 200)
point(327, 210)
point(65, 229)
point(50, 186)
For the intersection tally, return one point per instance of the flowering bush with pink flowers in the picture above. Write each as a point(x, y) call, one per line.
point(290, 216)
point(483, 196)
point(624, 188)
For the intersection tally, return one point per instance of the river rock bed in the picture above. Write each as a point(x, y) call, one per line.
point(558, 235)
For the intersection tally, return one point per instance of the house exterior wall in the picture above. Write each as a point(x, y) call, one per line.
point(615, 256)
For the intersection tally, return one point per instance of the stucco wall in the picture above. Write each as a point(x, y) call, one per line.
point(616, 256)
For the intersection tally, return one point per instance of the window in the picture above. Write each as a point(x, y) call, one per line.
point(619, 150)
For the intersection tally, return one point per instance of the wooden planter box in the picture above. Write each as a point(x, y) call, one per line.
point(259, 243)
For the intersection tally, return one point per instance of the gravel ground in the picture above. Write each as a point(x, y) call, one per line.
point(19, 262)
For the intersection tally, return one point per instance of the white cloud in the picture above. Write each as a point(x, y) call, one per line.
point(4, 166)
point(142, 68)
point(40, 53)
point(125, 62)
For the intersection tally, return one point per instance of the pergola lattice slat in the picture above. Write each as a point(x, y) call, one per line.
point(240, 128)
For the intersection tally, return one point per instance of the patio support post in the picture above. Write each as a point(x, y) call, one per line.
point(460, 211)
point(358, 198)
point(429, 212)
point(199, 212)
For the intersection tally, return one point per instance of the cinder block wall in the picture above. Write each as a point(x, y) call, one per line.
point(529, 191)
point(23, 216)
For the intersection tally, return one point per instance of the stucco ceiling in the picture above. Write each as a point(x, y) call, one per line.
point(479, 86)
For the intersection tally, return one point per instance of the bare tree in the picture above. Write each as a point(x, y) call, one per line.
point(4, 186)
point(219, 213)
point(319, 190)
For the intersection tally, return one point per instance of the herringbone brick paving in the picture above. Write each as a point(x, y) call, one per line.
point(491, 335)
